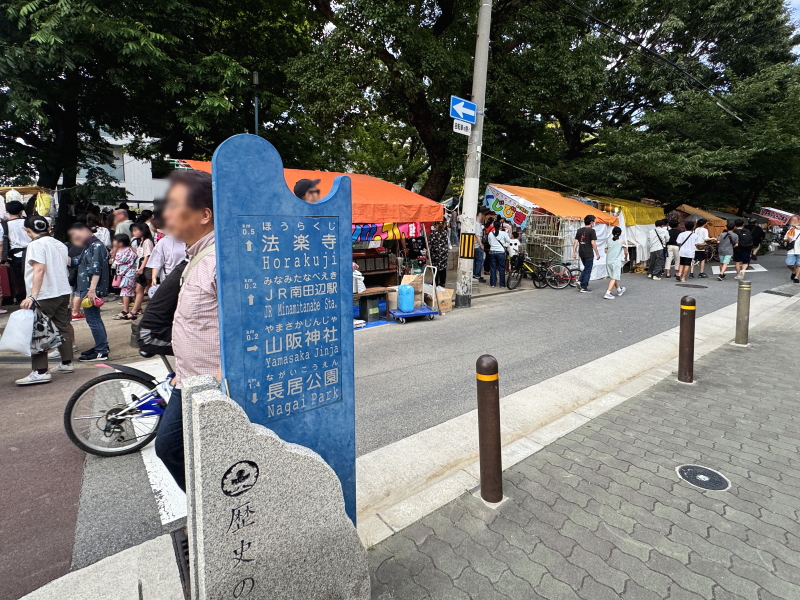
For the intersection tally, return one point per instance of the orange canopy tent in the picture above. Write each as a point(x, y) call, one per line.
point(374, 200)
point(716, 225)
point(557, 204)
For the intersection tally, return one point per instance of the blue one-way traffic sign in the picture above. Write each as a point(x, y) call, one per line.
point(463, 110)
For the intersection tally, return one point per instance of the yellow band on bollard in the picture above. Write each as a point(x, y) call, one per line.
point(688, 307)
point(494, 377)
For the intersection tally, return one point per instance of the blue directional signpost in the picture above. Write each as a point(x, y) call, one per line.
point(284, 269)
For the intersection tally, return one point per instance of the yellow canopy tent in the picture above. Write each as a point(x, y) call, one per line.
point(635, 213)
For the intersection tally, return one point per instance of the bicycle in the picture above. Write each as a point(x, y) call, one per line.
point(117, 413)
point(556, 276)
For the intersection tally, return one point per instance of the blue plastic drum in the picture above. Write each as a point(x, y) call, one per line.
point(405, 298)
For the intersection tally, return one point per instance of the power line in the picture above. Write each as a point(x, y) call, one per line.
point(569, 187)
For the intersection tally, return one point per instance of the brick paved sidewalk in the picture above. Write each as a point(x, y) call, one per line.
point(601, 514)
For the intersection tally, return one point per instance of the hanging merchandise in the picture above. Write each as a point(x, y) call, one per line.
point(44, 204)
point(12, 195)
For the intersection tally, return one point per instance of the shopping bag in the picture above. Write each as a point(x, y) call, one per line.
point(46, 336)
point(18, 333)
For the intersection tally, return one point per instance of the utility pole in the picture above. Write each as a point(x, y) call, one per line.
point(255, 84)
point(469, 208)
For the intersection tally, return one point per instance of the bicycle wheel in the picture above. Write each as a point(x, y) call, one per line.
point(538, 279)
point(91, 421)
point(557, 277)
point(574, 277)
point(513, 280)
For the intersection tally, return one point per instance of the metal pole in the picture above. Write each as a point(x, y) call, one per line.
point(489, 428)
point(255, 103)
point(472, 172)
point(686, 343)
point(743, 313)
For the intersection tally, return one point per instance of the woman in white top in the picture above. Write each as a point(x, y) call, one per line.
point(100, 232)
point(792, 239)
point(498, 242)
point(48, 288)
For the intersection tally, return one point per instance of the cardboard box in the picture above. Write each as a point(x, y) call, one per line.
point(391, 299)
point(445, 297)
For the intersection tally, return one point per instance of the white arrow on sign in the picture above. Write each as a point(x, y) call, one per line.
point(255, 397)
point(249, 245)
point(250, 299)
point(252, 348)
point(463, 110)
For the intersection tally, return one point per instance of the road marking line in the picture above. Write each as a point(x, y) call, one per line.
point(170, 499)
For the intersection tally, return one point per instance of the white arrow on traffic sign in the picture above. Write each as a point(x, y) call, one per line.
point(463, 110)
point(250, 299)
point(249, 245)
point(252, 348)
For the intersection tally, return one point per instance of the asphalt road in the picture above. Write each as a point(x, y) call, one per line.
point(62, 512)
point(414, 376)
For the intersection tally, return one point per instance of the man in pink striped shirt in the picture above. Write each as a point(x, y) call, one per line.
point(189, 217)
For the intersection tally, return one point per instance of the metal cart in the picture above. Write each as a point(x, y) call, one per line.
point(421, 311)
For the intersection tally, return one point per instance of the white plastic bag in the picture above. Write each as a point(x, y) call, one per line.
point(19, 332)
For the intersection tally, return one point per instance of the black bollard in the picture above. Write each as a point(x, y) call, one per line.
point(743, 314)
point(686, 343)
point(489, 428)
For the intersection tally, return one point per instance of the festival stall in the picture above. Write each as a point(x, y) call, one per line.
point(549, 221)
point(389, 228)
point(44, 204)
point(776, 216)
point(637, 220)
point(715, 225)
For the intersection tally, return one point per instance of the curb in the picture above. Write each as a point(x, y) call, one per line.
point(400, 484)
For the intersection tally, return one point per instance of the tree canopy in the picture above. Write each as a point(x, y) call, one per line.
point(680, 100)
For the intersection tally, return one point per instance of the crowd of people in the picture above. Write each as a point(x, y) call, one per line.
point(109, 254)
point(674, 248)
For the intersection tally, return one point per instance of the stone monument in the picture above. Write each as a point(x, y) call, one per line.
point(266, 517)
point(285, 303)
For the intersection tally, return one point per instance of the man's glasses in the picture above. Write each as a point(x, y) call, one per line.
point(313, 191)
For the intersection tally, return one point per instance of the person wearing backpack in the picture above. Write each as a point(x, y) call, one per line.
point(744, 251)
point(727, 241)
point(657, 239)
point(792, 239)
point(189, 216)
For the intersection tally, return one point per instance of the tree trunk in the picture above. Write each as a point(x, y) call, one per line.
point(436, 184)
point(69, 158)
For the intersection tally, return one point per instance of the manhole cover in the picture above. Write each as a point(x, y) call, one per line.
point(703, 477)
point(691, 285)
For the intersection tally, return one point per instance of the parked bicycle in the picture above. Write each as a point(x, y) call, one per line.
point(544, 273)
point(118, 412)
